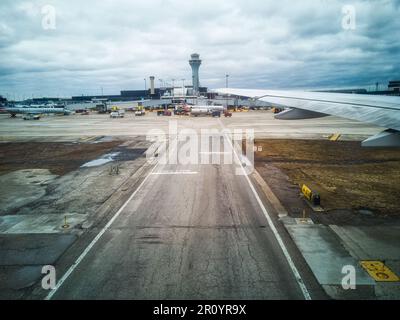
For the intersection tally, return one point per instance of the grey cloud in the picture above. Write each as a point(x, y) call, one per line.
point(260, 43)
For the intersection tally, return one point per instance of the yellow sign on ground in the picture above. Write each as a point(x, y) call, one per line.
point(306, 192)
point(379, 272)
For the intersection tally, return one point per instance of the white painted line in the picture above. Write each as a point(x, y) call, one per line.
point(175, 173)
point(214, 152)
point(296, 273)
point(90, 246)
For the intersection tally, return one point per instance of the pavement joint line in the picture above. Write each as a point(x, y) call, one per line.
point(98, 236)
point(270, 195)
point(296, 273)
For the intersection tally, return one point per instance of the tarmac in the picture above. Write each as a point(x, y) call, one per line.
point(175, 231)
point(73, 127)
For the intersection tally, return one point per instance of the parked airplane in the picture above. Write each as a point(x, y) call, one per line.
point(383, 111)
point(35, 110)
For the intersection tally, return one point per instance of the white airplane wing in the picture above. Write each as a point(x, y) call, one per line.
point(383, 111)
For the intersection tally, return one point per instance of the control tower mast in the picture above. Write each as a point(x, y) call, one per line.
point(195, 63)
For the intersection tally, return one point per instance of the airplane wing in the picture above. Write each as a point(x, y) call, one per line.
point(383, 111)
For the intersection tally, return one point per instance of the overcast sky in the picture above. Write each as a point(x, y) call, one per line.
point(259, 43)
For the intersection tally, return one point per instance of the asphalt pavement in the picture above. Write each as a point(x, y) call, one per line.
point(188, 232)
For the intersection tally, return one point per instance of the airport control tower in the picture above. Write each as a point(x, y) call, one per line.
point(195, 63)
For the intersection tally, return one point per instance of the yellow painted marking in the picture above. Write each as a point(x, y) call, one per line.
point(87, 139)
point(335, 137)
point(379, 272)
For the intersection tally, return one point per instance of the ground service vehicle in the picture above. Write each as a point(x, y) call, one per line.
point(199, 112)
point(117, 112)
point(276, 110)
point(140, 111)
point(31, 117)
point(227, 114)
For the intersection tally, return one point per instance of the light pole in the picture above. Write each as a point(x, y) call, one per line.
point(226, 80)
point(193, 91)
point(160, 86)
point(145, 88)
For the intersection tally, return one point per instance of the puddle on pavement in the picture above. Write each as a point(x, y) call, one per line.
point(103, 160)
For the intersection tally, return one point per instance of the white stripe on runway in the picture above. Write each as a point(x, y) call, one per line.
point(175, 173)
point(94, 241)
point(271, 224)
point(215, 152)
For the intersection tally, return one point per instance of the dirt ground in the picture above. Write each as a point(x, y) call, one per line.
point(347, 176)
point(59, 158)
point(39, 178)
